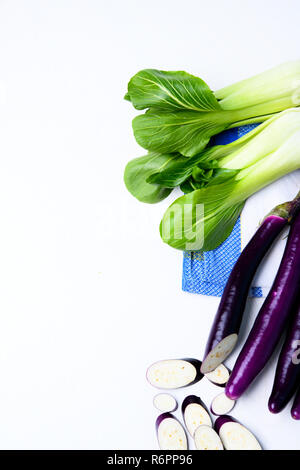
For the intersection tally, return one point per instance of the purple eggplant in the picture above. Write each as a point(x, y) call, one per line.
point(224, 332)
point(170, 433)
point(234, 435)
point(271, 319)
point(287, 376)
point(195, 413)
point(295, 411)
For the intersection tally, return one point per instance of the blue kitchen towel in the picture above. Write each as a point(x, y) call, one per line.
point(207, 272)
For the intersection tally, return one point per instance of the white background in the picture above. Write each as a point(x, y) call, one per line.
point(89, 295)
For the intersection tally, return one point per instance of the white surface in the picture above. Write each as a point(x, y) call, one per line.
point(89, 295)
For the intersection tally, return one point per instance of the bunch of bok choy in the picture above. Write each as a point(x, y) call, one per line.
point(182, 114)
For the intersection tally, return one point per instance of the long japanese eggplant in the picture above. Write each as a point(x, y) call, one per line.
point(287, 375)
point(295, 411)
point(271, 319)
point(225, 329)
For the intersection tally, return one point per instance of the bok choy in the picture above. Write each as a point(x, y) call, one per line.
point(268, 155)
point(183, 113)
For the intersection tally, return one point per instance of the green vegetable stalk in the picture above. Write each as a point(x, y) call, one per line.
point(204, 218)
point(279, 83)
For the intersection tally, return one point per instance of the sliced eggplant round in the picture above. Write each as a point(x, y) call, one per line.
point(194, 413)
point(219, 376)
point(206, 438)
point(165, 402)
point(221, 405)
point(170, 433)
point(234, 435)
point(174, 373)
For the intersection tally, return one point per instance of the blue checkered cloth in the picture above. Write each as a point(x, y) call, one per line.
point(207, 272)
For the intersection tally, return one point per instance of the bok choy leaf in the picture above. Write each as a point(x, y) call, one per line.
point(183, 113)
point(170, 91)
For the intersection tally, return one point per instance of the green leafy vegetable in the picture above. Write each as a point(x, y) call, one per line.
point(183, 113)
